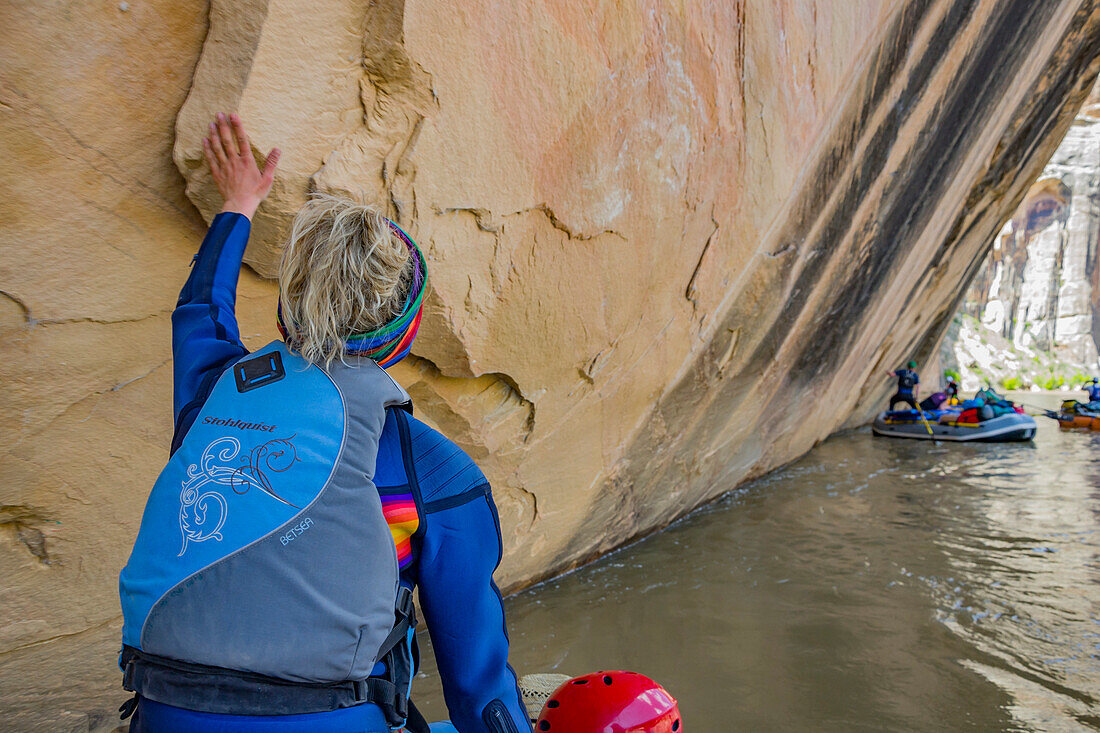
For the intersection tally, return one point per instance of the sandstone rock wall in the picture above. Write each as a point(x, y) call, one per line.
point(1036, 288)
point(96, 238)
point(672, 245)
point(580, 184)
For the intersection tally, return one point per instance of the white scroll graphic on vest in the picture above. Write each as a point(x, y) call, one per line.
point(202, 515)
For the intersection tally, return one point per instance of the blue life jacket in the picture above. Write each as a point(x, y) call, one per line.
point(284, 569)
point(907, 379)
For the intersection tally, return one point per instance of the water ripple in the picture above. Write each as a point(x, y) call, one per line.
point(873, 585)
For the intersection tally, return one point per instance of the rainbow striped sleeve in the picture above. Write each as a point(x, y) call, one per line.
point(401, 515)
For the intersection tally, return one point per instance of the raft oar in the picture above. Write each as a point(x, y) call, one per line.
point(1041, 411)
point(927, 427)
point(1045, 413)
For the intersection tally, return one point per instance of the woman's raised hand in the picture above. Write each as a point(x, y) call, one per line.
point(242, 184)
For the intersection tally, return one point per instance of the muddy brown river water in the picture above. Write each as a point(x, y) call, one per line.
point(873, 585)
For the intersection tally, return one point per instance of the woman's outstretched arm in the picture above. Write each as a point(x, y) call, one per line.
point(205, 336)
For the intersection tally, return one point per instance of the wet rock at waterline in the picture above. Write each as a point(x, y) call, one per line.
point(671, 248)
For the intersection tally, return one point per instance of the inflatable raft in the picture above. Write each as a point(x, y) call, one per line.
point(1071, 421)
point(945, 426)
point(1076, 415)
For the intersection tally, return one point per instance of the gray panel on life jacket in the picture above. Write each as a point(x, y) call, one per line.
point(313, 600)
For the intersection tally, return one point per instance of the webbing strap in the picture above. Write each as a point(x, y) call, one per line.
point(406, 619)
point(377, 690)
point(232, 692)
point(398, 656)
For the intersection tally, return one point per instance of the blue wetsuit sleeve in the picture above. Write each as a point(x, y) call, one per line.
point(205, 335)
point(465, 614)
point(458, 548)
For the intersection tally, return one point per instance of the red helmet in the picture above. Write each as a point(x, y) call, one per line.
point(610, 702)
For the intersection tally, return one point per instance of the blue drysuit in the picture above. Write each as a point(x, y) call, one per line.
point(1093, 390)
point(450, 557)
point(907, 381)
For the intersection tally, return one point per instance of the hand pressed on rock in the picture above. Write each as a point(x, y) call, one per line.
point(241, 183)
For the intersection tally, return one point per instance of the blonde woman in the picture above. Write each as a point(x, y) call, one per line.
point(269, 588)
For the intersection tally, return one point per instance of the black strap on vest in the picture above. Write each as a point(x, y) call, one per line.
point(232, 692)
point(401, 657)
point(416, 723)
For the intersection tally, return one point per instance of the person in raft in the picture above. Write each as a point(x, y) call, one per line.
point(270, 585)
point(952, 391)
point(1092, 388)
point(908, 382)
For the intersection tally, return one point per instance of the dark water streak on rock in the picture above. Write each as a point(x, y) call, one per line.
point(933, 93)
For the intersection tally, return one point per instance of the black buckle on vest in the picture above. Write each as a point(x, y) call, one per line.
point(362, 691)
point(126, 709)
point(405, 607)
point(127, 673)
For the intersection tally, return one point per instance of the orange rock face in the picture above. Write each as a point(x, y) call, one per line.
point(590, 187)
point(671, 245)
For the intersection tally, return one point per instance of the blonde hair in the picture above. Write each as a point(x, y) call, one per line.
point(344, 271)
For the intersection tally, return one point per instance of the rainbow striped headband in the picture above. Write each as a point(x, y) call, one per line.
point(390, 343)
